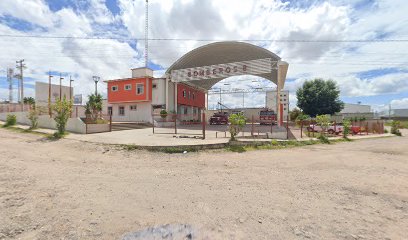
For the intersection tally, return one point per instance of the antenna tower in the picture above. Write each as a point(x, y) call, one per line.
point(147, 33)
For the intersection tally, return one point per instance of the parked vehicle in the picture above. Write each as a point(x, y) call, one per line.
point(333, 129)
point(219, 118)
point(355, 130)
point(267, 117)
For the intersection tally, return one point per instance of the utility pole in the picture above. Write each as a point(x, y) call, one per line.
point(49, 94)
point(96, 80)
point(60, 87)
point(10, 73)
point(70, 88)
point(389, 111)
point(21, 66)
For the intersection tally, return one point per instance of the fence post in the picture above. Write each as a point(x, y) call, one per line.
point(271, 123)
point(313, 125)
point(359, 124)
point(110, 122)
point(203, 122)
point(86, 128)
point(153, 121)
point(335, 127)
point(252, 126)
point(366, 127)
point(301, 129)
point(287, 127)
point(175, 123)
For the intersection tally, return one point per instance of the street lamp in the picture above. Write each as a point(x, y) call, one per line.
point(70, 88)
point(96, 80)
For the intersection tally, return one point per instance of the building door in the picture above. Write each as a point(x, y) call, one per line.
point(110, 111)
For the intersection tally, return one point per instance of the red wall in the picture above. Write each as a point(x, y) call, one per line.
point(122, 95)
point(198, 101)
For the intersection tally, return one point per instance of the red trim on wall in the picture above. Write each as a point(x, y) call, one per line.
point(188, 100)
point(122, 95)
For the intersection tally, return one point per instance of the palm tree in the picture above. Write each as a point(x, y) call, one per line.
point(94, 106)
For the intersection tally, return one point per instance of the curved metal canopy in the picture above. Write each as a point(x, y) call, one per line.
point(222, 53)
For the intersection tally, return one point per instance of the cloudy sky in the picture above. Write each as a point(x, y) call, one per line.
point(361, 44)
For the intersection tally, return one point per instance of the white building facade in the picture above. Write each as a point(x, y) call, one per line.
point(272, 99)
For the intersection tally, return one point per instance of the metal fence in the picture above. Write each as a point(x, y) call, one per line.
point(193, 125)
point(365, 127)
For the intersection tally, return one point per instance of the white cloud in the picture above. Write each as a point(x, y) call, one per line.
point(400, 103)
point(216, 19)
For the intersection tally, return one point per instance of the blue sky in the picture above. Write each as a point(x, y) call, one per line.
point(370, 72)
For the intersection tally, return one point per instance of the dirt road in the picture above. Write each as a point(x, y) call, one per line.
point(75, 190)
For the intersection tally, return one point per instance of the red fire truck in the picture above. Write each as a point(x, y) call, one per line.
point(267, 116)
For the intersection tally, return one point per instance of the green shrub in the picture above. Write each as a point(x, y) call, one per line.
point(385, 131)
point(324, 122)
point(237, 122)
point(346, 128)
point(395, 125)
point(163, 113)
point(324, 139)
point(62, 110)
point(274, 142)
point(11, 120)
point(33, 117)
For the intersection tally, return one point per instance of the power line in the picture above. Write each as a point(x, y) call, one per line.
point(211, 40)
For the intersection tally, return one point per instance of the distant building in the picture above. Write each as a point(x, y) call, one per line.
point(352, 110)
point(399, 113)
point(356, 108)
point(271, 99)
point(42, 92)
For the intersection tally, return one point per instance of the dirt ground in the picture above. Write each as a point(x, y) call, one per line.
point(74, 190)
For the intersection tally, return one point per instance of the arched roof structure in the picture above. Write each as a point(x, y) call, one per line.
point(223, 53)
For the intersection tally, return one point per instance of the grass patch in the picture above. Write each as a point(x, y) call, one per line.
point(402, 124)
point(274, 144)
point(238, 149)
point(21, 130)
point(170, 150)
point(56, 136)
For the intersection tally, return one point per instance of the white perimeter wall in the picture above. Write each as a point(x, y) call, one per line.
point(44, 121)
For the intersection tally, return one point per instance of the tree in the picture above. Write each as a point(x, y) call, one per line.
point(62, 110)
point(294, 114)
point(94, 106)
point(237, 122)
point(29, 100)
point(318, 96)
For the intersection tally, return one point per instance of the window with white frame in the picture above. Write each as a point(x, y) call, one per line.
point(185, 110)
point(133, 107)
point(114, 88)
point(139, 89)
point(184, 93)
point(128, 87)
point(121, 110)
